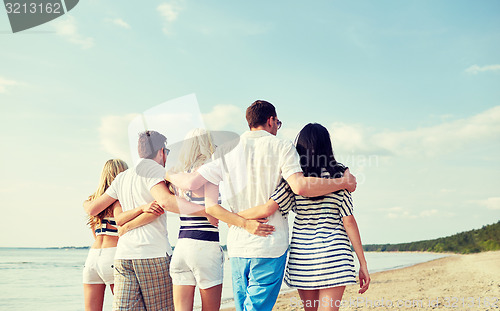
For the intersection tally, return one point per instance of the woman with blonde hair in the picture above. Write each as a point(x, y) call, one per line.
point(98, 270)
point(198, 258)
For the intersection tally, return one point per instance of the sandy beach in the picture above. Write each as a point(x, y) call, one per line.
point(457, 282)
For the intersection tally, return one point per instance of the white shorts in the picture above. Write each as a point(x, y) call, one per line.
point(99, 266)
point(197, 262)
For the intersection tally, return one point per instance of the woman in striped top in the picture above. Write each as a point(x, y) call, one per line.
point(320, 263)
point(98, 269)
point(198, 258)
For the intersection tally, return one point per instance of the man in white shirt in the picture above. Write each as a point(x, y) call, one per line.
point(250, 170)
point(142, 279)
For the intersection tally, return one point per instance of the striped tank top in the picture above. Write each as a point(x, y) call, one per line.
point(102, 230)
point(197, 227)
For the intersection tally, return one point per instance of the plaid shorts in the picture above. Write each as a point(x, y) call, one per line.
point(143, 284)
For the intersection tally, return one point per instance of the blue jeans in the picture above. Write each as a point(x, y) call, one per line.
point(257, 282)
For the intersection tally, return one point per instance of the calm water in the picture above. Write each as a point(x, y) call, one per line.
point(50, 279)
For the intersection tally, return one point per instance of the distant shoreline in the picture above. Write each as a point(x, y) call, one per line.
point(468, 242)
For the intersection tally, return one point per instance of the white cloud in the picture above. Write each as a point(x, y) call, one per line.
point(428, 213)
point(120, 22)
point(426, 141)
point(169, 11)
point(491, 203)
point(398, 212)
point(67, 28)
point(354, 138)
point(224, 117)
point(116, 131)
point(6, 82)
point(114, 135)
point(287, 132)
point(475, 69)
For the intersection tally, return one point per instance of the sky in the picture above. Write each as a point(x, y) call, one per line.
point(409, 91)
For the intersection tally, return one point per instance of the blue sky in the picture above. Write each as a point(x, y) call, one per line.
point(409, 90)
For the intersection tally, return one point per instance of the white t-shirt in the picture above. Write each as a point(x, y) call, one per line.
point(132, 188)
point(250, 168)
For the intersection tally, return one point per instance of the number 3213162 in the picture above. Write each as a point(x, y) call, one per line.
point(33, 8)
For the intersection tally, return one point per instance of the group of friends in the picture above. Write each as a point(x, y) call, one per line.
point(258, 178)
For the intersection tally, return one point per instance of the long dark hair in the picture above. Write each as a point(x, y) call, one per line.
point(315, 149)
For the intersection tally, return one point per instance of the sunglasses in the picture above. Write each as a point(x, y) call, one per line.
point(278, 122)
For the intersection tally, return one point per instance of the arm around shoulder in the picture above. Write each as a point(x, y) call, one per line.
point(187, 181)
point(173, 204)
point(164, 197)
point(316, 186)
point(96, 206)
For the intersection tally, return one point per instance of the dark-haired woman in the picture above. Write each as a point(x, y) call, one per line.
point(321, 263)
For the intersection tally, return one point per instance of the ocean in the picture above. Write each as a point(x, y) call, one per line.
point(51, 279)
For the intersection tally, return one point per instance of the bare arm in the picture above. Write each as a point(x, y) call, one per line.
point(139, 220)
point(213, 208)
point(122, 217)
point(171, 203)
point(260, 211)
point(98, 205)
point(314, 186)
point(187, 181)
point(351, 227)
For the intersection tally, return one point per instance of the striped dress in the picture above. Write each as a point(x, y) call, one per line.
point(320, 251)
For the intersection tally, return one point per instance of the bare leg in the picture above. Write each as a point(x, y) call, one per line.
point(93, 296)
point(310, 298)
point(333, 296)
point(210, 298)
point(183, 297)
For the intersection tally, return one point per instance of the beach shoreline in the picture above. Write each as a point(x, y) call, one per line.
point(458, 282)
